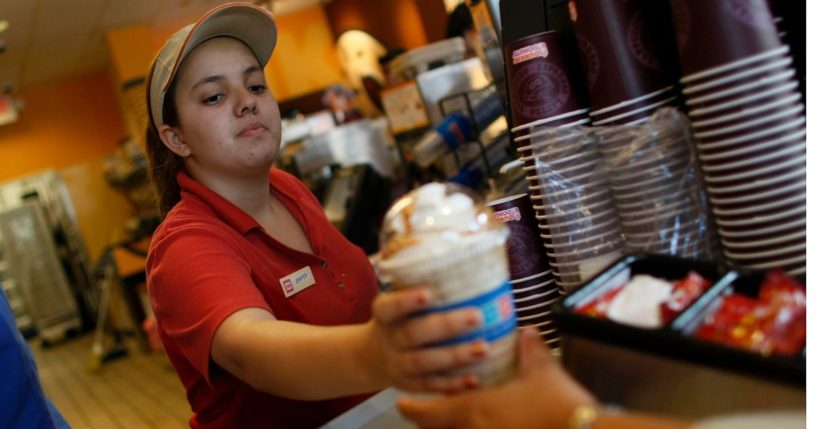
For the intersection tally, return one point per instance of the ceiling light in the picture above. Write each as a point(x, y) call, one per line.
point(4, 25)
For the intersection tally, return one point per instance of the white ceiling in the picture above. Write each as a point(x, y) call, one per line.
point(50, 40)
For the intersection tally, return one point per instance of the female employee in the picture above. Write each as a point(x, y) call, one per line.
point(267, 313)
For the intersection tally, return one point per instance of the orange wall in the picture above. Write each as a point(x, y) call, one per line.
point(101, 210)
point(131, 50)
point(395, 23)
point(435, 19)
point(61, 124)
point(70, 126)
point(305, 59)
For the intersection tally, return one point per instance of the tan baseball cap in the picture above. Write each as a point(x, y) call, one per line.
point(246, 22)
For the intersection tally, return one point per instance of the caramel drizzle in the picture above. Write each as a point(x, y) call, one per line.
point(398, 243)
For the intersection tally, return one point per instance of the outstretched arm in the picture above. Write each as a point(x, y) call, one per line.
point(301, 361)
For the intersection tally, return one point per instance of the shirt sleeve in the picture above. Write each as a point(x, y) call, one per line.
point(196, 279)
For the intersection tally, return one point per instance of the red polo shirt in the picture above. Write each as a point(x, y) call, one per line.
point(209, 259)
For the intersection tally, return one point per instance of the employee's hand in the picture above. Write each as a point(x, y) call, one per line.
point(542, 396)
point(401, 341)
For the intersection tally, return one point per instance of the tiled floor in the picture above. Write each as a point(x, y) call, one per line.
point(136, 391)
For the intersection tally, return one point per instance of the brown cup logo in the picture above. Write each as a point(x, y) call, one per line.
point(640, 44)
point(523, 251)
point(751, 12)
point(540, 89)
point(589, 57)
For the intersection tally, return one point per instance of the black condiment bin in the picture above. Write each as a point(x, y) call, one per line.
point(666, 369)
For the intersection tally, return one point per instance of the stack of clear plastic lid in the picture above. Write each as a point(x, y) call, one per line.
point(575, 207)
point(657, 188)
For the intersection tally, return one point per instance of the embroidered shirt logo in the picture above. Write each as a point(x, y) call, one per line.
point(288, 287)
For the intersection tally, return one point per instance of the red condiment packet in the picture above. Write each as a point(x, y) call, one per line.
point(774, 323)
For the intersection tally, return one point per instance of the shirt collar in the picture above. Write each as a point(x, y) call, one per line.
point(242, 222)
point(228, 212)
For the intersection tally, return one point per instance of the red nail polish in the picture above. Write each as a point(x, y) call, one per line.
point(474, 319)
point(478, 349)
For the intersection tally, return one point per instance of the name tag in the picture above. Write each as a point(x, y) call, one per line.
point(297, 281)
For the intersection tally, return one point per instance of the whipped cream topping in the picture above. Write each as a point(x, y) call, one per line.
point(435, 211)
point(432, 222)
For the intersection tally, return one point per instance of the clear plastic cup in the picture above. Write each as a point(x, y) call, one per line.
point(443, 237)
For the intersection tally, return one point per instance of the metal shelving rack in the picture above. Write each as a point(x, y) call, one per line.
point(474, 161)
point(493, 139)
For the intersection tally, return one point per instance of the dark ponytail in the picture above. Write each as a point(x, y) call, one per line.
point(163, 163)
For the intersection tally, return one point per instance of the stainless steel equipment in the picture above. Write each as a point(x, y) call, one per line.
point(359, 142)
point(48, 190)
point(33, 261)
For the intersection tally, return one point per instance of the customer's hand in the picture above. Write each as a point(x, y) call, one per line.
point(543, 395)
point(401, 341)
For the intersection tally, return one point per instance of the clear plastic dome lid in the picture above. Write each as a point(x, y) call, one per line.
point(436, 219)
